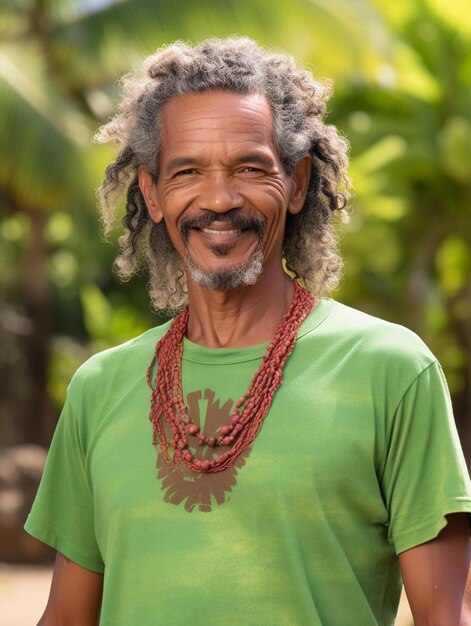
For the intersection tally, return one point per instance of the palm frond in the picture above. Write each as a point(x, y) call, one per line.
point(43, 136)
point(110, 41)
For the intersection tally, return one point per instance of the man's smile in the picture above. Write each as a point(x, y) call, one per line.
point(214, 231)
point(223, 229)
point(224, 233)
point(221, 237)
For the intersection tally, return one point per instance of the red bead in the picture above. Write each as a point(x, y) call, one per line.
point(192, 429)
point(205, 465)
point(227, 441)
point(225, 430)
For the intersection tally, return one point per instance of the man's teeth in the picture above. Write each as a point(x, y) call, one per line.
point(220, 232)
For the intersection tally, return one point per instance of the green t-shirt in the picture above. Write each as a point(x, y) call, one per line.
point(357, 460)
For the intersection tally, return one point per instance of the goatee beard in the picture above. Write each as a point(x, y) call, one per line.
point(241, 275)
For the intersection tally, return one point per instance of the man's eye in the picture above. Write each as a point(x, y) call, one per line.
point(185, 172)
point(251, 170)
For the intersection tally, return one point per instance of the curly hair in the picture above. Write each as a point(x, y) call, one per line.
point(298, 103)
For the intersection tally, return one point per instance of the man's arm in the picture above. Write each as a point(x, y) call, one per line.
point(435, 575)
point(75, 596)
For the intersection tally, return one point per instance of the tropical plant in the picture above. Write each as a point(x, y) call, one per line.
point(408, 257)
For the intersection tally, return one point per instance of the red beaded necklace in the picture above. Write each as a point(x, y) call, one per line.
point(250, 410)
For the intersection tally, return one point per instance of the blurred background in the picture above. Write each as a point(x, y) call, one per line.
point(402, 73)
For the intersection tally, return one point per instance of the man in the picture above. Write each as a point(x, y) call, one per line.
point(306, 453)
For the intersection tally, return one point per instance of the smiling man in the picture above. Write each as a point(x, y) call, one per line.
point(231, 156)
point(305, 455)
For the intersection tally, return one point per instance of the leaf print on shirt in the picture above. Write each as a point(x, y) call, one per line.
point(201, 490)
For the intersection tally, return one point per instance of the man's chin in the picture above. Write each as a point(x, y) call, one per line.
point(226, 279)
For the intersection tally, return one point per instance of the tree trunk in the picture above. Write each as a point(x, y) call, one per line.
point(459, 321)
point(36, 422)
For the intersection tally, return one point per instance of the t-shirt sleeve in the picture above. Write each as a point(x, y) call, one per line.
point(62, 515)
point(425, 476)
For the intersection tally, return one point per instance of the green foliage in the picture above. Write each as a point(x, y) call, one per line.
point(109, 324)
point(408, 251)
point(454, 143)
point(453, 265)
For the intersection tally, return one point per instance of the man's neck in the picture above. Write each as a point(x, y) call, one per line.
point(240, 317)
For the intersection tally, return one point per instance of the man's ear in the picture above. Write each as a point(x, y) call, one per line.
point(148, 190)
point(300, 182)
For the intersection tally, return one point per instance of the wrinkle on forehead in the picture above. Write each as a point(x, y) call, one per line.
point(220, 101)
point(216, 118)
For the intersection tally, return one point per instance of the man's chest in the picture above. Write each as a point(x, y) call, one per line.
point(317, 447)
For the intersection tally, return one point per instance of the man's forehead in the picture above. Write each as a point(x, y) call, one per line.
point(194, 125)
point(213, 106)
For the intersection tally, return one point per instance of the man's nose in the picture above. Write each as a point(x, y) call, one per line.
point(219, 193)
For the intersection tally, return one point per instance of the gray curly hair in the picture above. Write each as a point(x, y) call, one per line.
point(298, 102)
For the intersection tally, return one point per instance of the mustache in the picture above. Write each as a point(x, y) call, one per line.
point(234, 217)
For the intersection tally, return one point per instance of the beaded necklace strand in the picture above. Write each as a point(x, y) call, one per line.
point(250, 410)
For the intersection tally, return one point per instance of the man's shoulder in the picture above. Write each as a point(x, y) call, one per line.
point(375, 337)
point(128, 358)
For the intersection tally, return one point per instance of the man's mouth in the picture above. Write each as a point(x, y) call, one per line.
point(221, 239)
point(223, 227)
point(214, 231)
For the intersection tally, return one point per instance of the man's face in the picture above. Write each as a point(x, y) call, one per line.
point(221, 190)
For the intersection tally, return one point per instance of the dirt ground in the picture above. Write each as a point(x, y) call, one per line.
point(23, 594)
point(24, 591)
